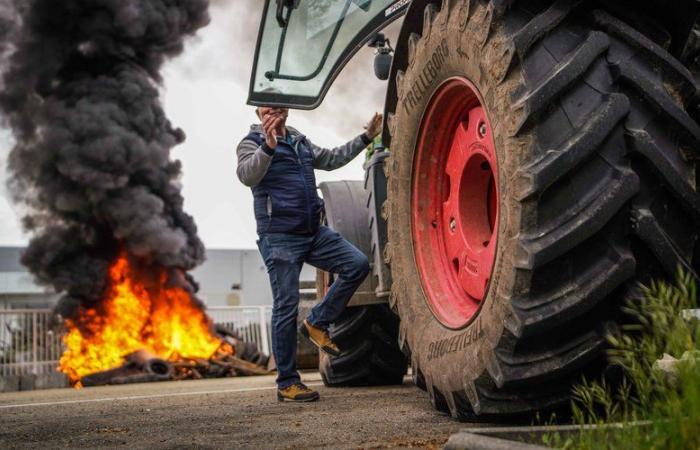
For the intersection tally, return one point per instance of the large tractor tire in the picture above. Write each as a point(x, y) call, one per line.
point(543, 163)
point(366, 333)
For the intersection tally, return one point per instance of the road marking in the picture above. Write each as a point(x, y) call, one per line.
point(143, 397)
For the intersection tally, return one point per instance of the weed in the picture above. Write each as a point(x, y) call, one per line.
point(655, 408)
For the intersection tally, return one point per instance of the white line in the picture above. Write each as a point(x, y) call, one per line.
point(142, 397)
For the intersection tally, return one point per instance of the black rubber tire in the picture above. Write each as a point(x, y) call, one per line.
point(247, 351)
point(597, 157)
point(367, 336)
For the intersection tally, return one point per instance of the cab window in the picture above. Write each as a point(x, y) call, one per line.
point(303, 44)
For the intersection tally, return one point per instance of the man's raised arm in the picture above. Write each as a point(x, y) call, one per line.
point(331, 159)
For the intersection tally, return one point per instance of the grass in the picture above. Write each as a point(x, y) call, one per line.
point(667, 404)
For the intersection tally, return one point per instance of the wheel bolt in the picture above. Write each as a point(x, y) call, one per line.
point(482, 130)
point(453, 225)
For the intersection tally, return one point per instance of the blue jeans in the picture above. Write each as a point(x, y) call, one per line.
point(284, 255)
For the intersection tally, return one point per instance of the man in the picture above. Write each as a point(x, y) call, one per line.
point(278, 163)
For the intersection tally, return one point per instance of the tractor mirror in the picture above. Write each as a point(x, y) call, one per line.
point(382, 60)
point(382, 65)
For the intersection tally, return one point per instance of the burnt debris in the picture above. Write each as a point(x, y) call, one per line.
point(141, 366)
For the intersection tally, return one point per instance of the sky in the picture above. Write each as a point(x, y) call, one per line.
point(204, 92)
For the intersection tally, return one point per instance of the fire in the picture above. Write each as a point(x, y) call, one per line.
point(168, 324)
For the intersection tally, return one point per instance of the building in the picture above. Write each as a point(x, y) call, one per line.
point(226, 278)
point(17, 287)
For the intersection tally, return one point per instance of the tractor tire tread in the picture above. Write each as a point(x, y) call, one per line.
point(530, 370)
point(370, 356)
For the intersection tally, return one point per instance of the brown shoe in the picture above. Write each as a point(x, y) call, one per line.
point(320, 338)
point(297, 393)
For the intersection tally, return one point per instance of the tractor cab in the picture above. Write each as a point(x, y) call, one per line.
point(304, 44)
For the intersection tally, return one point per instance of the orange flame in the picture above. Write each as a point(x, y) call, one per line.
point(171, 326)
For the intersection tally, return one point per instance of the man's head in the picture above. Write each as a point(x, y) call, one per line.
point(262, 111)
point(274, 112)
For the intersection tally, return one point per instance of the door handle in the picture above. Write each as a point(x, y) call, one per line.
point(290, 5)
point(280, 13)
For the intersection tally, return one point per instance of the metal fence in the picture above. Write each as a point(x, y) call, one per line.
point(27, 342)
point(251, 323)
point(29, 345)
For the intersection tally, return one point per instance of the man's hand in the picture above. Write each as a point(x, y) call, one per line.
point(271, 122)
point(374, 127)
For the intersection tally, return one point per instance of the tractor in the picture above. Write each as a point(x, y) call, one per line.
point(541, 165)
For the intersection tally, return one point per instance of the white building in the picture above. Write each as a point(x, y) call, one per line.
point(17, 287)
point(226, 278)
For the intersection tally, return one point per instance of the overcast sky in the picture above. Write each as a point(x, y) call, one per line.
point(204, 93)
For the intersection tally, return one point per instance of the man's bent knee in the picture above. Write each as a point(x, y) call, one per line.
point(359, 269)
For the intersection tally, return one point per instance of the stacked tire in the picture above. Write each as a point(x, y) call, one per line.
point(247, 351)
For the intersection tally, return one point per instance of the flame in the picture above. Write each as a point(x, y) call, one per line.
point(171, 326)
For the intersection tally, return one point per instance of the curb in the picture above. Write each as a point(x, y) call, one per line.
point(471, 441)
point(504, 438)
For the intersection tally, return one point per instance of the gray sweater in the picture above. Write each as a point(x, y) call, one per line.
point(253, 160)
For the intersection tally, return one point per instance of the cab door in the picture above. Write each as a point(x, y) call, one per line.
point(304, 44)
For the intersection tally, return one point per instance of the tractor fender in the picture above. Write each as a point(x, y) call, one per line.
point(347, 213)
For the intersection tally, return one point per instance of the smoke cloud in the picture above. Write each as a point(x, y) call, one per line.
point(91, 164)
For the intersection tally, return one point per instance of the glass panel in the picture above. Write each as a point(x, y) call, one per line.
point(301, 59)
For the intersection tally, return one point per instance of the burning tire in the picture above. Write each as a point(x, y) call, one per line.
point(247, 351)
point(367, 333)
point(542, 164)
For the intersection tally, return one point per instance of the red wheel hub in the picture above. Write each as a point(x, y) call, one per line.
point(455, 202)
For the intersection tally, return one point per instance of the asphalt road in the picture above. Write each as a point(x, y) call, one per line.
point(221, 413)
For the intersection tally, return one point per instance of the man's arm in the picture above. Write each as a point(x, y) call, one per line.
point(253, 161)
point(331, 159)
point(325, 159)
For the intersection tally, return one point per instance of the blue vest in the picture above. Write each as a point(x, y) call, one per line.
point(285, 200)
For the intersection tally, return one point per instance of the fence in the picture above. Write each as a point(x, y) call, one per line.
point(28, 344)
point(251, 323)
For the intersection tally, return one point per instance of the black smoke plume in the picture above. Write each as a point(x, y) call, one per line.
point(91, 166)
